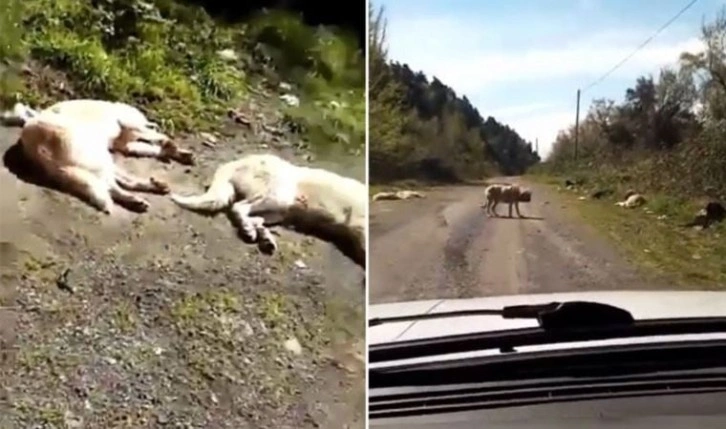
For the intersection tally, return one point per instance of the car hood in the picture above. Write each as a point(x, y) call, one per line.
point(641, 304)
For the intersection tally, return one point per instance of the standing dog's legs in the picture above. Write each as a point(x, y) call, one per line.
point(516, 206)
point(510, 209)
point(494, 208)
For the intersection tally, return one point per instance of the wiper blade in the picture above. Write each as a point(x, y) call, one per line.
point(551, 316)
point(508, 341)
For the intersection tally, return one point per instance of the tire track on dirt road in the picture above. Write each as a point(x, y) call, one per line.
point(444, 246)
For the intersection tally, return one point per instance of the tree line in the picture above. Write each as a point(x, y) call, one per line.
point(668, 134)
point(421, 129)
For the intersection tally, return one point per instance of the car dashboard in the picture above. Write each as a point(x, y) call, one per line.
point(664, 411)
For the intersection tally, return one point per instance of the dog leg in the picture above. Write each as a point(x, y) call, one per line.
point(87, 185)
point(169, 150)
point(129, 200)
point(265, 239)
point(516, 206)
point(494, 208)
point(134, 183)
point(140, 149)
point(165, 151)
point(246, 226)
point(252, 228)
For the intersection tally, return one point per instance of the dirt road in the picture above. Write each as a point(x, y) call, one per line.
point(167, 319)
point(444, 246)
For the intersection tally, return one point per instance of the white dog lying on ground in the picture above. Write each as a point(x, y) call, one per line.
point(146, 139)
point(262, 190)
point(397, 195)
point(509, 194)
point(74, 154)
point(632, 200)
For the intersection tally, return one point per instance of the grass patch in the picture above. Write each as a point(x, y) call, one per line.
point(652, 237)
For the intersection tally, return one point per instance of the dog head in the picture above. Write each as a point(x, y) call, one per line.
point(525, 196)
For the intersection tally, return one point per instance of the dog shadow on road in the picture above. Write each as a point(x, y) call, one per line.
point(25, 170)
point(518, 218)
point(19, 165)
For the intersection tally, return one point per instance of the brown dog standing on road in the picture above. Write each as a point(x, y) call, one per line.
point(509, 194)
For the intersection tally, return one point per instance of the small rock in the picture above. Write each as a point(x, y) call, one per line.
point(696, 256)
point(290, 99)
point(300, 264)
point(247, 330)
point(162, 419)
point(208, 138)
point(228, 55)
point(285, 86)
point(293, 345)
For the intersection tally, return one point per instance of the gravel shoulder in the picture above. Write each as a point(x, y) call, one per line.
point(167, 319)
point(444, 246)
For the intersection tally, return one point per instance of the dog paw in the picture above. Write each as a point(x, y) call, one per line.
point(248, 235)
point(139, 206)
point(184, 157)
point(268, 247)
point(160, 186)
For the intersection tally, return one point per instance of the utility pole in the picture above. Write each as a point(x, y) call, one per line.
point(577, 123)
point(536, 145)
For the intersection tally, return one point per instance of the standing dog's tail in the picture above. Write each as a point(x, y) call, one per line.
point(218, 197)
point(18, 116)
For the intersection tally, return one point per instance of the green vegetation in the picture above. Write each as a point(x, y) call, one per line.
point(163, 56)
point(420, 129)
point(666, 140)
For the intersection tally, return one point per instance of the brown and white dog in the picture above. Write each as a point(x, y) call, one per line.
point(74, 154)
point(262, 190)
point(145, 139)
point(512, 195)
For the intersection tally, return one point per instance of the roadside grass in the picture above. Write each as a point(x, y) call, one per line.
point(652, 236)
point(162, 56)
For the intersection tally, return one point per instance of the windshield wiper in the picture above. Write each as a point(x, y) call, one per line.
point(558, 323)
point(554, 315)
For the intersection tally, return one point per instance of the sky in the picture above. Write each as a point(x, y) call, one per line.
point(522, 61)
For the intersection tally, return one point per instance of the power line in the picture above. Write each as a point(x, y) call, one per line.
point(642, 45)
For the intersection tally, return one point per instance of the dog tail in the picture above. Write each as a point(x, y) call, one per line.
point(18, 116)
point(218, 197)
